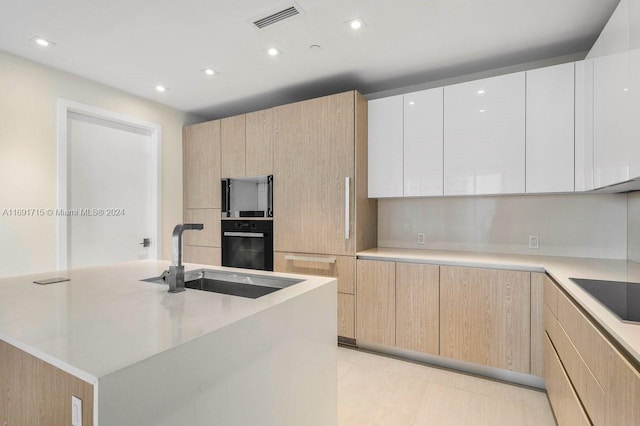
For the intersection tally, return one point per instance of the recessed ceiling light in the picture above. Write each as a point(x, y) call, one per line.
point(412, 103)
point(42, 42)
point(161, 88)
point(356, 23)
point(273, 51)
point(209, 71)
point(480, 92)
point(482, 110)
point(626, 89)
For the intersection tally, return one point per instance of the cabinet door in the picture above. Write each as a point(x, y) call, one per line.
point(232, 146)
point(485, 317)
point(210, 235)
point(484, 136)
point(259, 143)
point(201, 165)
point(550, 129)
point(376, 302)
point(417, 307)
point(385, 147)
point(423, 142)
point(584, 125)
point(314, 152)
point(634, 87)
point(611, 91)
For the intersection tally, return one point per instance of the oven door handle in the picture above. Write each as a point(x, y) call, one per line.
point(244, 234)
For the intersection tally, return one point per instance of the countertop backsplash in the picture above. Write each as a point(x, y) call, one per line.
point(578, 225)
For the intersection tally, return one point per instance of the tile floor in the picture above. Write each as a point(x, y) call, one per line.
point(378, 390)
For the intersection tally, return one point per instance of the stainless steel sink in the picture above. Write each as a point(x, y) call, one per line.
point(232, 283)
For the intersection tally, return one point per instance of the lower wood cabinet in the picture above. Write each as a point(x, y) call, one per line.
point(397, 305)
point(604, 381)
point(203, 246)
point(485, 317)
point(376, 302)
point(418, 307)
point(33, 392)
point(340, 267)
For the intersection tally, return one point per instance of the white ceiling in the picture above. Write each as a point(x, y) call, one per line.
point(134, 45)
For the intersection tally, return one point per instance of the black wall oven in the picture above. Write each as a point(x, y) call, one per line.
point(247, 244)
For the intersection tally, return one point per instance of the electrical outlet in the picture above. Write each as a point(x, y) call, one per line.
point(534, 242)
point(76, 411)
point(421, 238)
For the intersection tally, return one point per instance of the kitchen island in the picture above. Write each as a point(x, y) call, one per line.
point(196, 358)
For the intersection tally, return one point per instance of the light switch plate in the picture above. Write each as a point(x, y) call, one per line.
point(534, 242)
point(76, 411)
point(420, 238)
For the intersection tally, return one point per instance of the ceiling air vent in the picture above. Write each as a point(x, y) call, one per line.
point(276, 17)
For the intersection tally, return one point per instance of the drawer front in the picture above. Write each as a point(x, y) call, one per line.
point(346, 315)
point(585, 384)
point(564, 401)
point(591, 345)
point(551, 295)
point(340, 267)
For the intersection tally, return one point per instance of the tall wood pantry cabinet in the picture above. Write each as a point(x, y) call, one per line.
point(322, 214)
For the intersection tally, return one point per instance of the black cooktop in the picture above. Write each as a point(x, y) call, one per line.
point(621, 298)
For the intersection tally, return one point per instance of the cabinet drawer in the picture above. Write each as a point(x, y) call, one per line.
point(564, 401)
point(551, 296)
point(340, 267)
point(585, 384)
point(346, 315)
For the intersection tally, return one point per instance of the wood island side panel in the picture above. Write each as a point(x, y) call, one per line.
point(34, 393)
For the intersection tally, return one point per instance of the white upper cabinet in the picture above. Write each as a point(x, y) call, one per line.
point(386, 147)
point(634, 87)
point(423, 127)
point(550, 129)
point(584, 126)
point(484, 136)
point(611, 101)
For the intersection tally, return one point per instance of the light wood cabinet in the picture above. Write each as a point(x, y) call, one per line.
point(485, 317)
point(537, 326)
point(340, 267)
point(602, 377)
point(202, 255)
point(232, 146)
point(210, 235)
point(484, 136)
point(314, 151)
point(550, 117)
point(259, 143)
point(565, 402)
point(376, 302)
point(201, 165)
point(33, 392)
point(417, 307)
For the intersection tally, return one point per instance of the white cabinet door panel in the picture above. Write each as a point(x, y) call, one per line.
point(385, 147)
point(550, 129)
point(634, 87)
point(584, 126)
point(423, 143)
point(484, 136)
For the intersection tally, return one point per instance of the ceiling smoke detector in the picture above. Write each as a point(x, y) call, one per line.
point(281, 15)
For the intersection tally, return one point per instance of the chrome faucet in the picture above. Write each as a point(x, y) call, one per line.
point(176, 270)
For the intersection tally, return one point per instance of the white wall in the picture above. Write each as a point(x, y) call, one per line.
point(633, 224)
point(567, 225)
point(28, 93)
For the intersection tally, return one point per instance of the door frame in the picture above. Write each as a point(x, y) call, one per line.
point(64, 107)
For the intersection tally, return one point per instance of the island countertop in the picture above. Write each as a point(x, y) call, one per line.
point(561, 269)
point(105, 319)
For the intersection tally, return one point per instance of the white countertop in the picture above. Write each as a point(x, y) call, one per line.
point(560, 268)
point(106, 319)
